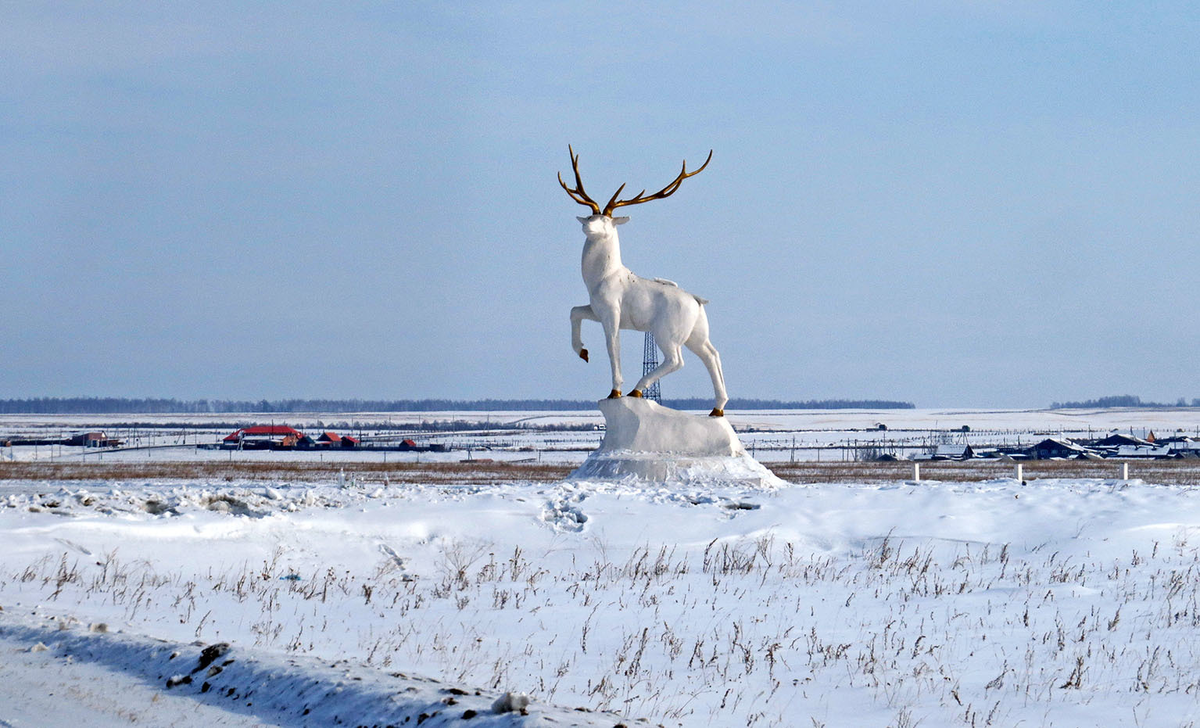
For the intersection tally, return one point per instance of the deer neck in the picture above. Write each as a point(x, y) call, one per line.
point(601, 258)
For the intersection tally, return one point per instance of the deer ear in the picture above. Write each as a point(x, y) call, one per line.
point(581, 219)
point(620, 220)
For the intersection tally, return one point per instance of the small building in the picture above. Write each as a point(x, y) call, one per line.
point(1148, 451)
point(953, 452)
point(1054, 447)
point(1186, 446)
point(329, 439)
point(332, 439)
point(1117, 440)
point(92, 439)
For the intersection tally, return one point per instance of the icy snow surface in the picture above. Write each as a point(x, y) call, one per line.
point(1060, 602)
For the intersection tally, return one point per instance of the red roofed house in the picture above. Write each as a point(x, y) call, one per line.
point(93, 439)
point(263, 437)
point(332, 439)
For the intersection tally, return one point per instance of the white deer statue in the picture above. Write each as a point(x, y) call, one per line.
point(619, 299)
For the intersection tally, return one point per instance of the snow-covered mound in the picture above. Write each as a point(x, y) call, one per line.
point(646, 442)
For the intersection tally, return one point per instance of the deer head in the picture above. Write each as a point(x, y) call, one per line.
point(579, 195)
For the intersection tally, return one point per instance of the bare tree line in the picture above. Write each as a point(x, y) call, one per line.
point(128, 405)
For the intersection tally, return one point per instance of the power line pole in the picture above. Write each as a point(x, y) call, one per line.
point(649, 364)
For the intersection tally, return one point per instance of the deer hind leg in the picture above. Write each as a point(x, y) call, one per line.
point(703, 348)
point(579, 314)
point(672, 361)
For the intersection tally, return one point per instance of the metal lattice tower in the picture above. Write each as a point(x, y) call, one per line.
point(649, 364)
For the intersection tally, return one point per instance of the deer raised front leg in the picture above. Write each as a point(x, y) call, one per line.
point(579, 314)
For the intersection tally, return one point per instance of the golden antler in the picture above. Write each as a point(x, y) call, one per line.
point(578, 194)
point(641, 197)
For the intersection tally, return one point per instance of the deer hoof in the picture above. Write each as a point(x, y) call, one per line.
point(717, 413)
point(615, 394)
point(636, 393)
point(583, 354)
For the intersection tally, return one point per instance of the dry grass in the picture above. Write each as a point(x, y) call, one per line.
point(463, 472)
point(746, 631)
point(1168, 472)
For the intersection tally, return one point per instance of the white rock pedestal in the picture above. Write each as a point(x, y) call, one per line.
point(647, 442)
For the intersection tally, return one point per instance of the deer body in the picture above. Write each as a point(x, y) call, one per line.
point(619, 299)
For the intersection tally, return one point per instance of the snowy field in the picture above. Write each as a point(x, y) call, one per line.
point(325, 598)
point(1060, 602)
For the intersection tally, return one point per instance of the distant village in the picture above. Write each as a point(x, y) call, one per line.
point(258, 437)
point(937, 447)
point(1114, 446)
point(282, 437)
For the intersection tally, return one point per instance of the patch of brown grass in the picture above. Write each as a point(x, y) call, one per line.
point(461, 472)
point(1167, 472)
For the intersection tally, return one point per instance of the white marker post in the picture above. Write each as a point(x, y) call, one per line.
point(1020, 473)
point(916, 472)
point(1124, 471)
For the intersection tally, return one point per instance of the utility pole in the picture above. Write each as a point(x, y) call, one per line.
point(649, 364)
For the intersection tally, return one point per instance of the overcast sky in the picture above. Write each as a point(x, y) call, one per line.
point(956, 203)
